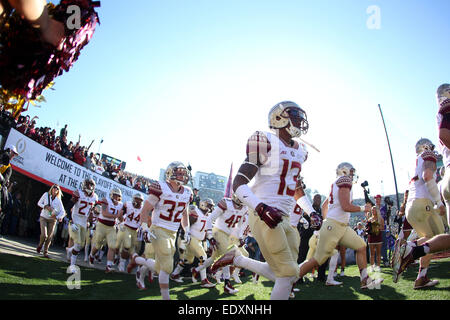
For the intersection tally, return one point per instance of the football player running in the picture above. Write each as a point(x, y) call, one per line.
point(228, 215)
point(111, 209)
point(127, 234)
point(168, 203)
point(81, 214)
point(335, 229)
point(424, 202)
point(197, 221)
point(275, 161)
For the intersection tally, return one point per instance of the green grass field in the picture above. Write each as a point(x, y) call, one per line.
point(39, 278)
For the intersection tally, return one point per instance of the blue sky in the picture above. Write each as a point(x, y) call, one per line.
point(192, 80)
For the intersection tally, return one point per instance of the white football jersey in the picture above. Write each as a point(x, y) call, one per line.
point(132, 216)
point(198, 229)
point(169, 209)
point(112, 209)
point(81, 209)
point(417, 187)
point(335, 210)
point(226, 217)
point(278, 173)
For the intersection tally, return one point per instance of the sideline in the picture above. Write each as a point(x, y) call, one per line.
point(26, 247)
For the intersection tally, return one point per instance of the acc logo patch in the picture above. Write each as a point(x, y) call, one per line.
point(329, 227)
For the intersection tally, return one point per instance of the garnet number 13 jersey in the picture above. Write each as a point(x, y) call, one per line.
point(279, 169)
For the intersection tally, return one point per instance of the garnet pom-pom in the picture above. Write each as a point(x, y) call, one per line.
point(28, 64)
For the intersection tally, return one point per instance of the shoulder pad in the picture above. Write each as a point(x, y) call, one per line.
point(155, 189)
point(344, 182)
point(429, 156)
point(222, 204)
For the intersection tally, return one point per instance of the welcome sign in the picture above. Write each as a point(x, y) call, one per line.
point(49, 167)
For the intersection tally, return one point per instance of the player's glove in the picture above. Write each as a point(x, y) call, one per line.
point(187, 238)
point(212, 243)
point(148, 236)
point(241, 242)
point(74, 227)
point(304, 222)
point(270, 215)
point(316, 220)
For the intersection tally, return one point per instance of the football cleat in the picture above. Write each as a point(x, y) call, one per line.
point(424, 282)
point(228, 288)
point(140, 284)
point(333, 283)
point(122, 266)
point(195, 275)
point(109, 269)
point(206, 284)
point(91, 260)
point(369, 283)
point(38, 249)
point(132, 263)
point(175, 278)
point(226, 259)
point(401, 260)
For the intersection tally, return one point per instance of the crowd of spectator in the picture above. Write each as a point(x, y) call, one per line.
point(80, 154)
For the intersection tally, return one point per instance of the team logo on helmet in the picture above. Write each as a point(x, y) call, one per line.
point(443, 96)
point(207, 205)
point(424, 144)
point(137, 200)
point(88, 186)
point(237, 201)
point(177, 171)
point(117, 193)
point(288, 114)
point(346, 169)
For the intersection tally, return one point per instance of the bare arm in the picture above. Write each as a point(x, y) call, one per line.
point(344, 200)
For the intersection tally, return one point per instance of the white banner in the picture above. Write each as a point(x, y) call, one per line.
point(47, 166)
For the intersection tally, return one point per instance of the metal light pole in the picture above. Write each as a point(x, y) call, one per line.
point(392, 161)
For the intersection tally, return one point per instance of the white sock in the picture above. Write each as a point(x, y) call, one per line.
point(226, 272)
point(282, 288)
point(332, 266)
point(123, 261)
point(86, 251)
point(178, 269)
point(205, 264)
point(143, 272)
point(236, 271)
point(261, 268)
point(109, 263)
point(422, 273)
point(363, 274)
point(203, 274)
point(73, 259)
point(164, 279)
